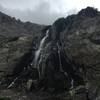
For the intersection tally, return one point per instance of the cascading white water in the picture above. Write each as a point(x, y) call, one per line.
point(72, 84)
point(12, 83)
point(37, 53)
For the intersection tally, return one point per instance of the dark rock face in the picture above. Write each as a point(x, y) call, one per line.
point(56, 69)
point(78, 40)
point(88, 12)
point(51, 76)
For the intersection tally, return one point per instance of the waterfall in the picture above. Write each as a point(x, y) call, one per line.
point(59, 58)
point(72, 84)
point(38, 52)
point(61, 69)
point(12, 83)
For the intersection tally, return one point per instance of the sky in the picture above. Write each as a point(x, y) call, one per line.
point(44, 11)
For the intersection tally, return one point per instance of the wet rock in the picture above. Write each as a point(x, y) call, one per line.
point(29, 84)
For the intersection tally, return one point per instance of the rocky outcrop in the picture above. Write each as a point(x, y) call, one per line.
point(11, 52)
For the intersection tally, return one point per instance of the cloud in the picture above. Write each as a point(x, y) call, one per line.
point(44, 11)
point(41, 14)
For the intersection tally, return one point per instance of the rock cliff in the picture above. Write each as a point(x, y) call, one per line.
point(70, 57)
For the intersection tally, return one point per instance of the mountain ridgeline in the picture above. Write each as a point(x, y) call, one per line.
point(61, 57)
point(9, 26)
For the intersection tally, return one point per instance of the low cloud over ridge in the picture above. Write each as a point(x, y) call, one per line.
point(43, 11)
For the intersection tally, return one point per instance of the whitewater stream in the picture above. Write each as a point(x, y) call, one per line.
point(38, 52)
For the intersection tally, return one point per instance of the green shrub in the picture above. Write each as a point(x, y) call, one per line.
point(5, 98)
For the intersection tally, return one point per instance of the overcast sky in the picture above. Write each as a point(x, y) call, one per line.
point(44, 11)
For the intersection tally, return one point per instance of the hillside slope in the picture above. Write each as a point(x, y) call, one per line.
point(9, 26)
point(16, 40)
